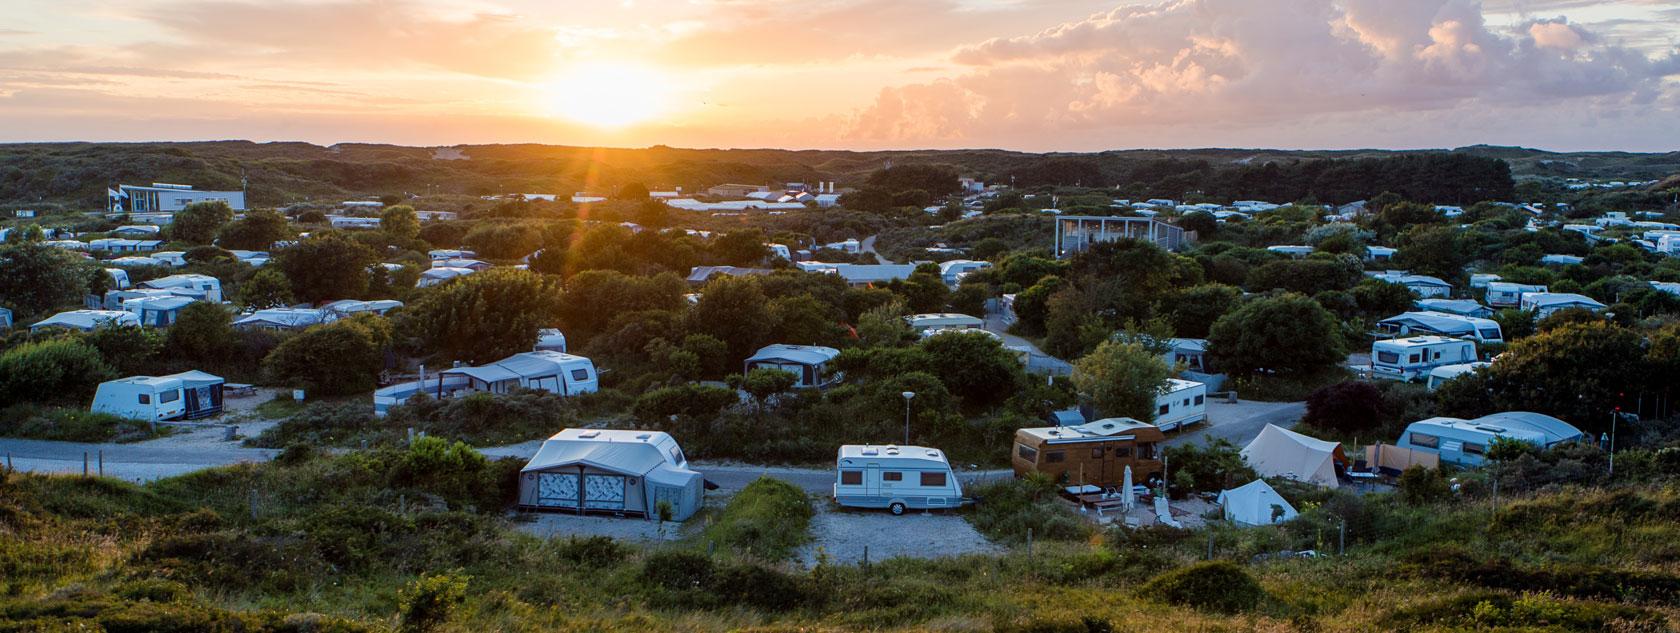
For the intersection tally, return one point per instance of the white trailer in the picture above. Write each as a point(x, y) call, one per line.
point(1411, 359)
point(896, 478)
point(1180, 403)
point(187, 395)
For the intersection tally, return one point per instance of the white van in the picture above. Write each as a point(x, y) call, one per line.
point(1409, 359)
point(897, 478)
point(1180, 403)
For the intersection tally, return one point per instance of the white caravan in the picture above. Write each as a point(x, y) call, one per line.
point(897, 478)
point(187, 395)
point(1180, 403)
point(1503, 294)
point(1409, 359)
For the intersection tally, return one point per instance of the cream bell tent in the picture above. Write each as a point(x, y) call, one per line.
point(1280, 452)
point(610, 471)
point(1255, 503)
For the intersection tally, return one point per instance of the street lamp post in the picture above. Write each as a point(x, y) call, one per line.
point(908, 395)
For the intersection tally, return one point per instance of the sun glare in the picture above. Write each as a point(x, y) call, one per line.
point(608, 95)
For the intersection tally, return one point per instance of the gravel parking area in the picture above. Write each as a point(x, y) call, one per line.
point(843, 534)
point(561, 525)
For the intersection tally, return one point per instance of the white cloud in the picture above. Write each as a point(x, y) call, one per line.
point(1248, 63)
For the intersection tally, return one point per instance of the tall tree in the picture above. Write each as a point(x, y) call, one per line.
point(399, 222)
point(1121, 379)
point(257, 231)
point(339, 358)
point(734, 310)
point(36, 279)
point(326, 267)
point(1287, 334)
point(483, 317)
point(200, 222)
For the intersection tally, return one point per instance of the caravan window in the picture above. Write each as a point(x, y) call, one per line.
point(1054, 457)
point(892, 475)
point(1097, 453)
point(1165, 408)
point(1425, 441)
point(1490, 334)
point(933, 479)
point(169, 396)
point(1027, 452)
point(145, 398)
point(1200, 400)
point(1146, 451)
point(677, 455)
point(1388, 357)
point(851, 477)
point(1123, 452)
point(1474, 449)
point(580, 374)
point(1412, 359)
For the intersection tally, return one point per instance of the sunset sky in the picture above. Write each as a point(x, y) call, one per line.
point(1040, 75)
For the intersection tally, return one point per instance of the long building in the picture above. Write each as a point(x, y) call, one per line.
point(1075, 233)
point(166, 198)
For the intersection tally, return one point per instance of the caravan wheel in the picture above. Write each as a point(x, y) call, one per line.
point(896, 508)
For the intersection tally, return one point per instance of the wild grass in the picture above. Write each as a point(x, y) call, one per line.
point(257, 547)
point(64, 424)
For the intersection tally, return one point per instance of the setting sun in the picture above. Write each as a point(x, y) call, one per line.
point(608, 95)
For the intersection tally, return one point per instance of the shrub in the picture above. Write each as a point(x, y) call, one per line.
point(1008, 509)
point(592, 551)
point(677, 570)
point(1420, 485)
point(759, 587)
point(1349, 406)
point(53, 369)
point(1217, 586)
point(768, 518)
point(430, 601)
point(154, 590)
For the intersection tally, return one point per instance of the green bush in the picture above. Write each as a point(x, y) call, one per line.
point(72, 425)
point(1008, 509)
point(768, 519)
point(1486, 610)
point(1218, 586)
point(677, 570)
point(592, 551)
point(430, 601)
point(60, 369)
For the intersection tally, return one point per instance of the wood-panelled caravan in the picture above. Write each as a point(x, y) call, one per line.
point(1096, 453)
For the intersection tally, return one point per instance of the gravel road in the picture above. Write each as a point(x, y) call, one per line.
point(843, 534)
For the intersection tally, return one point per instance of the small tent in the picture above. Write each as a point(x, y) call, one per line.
point(1255, 503)
point(1280, 452)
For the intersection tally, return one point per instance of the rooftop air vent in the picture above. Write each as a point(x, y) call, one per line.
point(590, 434)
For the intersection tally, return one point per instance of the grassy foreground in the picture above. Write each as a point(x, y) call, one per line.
point(416, 540)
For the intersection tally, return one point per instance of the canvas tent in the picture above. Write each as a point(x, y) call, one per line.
point(1255, 503)
point(1280, 452)
point(611, 471)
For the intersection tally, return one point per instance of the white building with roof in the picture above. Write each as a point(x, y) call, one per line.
point(166, 198)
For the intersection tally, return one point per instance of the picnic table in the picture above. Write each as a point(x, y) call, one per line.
point(238, 390)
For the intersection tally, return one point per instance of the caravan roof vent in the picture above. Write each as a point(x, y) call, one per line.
point(590, 434)
point(870, 450)
point(643, 436)
point(932, 453)
point(892, 450)
point(1055, 432)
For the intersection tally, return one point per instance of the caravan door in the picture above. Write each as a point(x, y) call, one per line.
point(872, 480)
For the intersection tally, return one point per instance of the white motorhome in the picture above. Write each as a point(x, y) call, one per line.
point(1409, 359)
point(896, 478)
point(1504, 294)
point(187, 395)
point(1180, 403)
